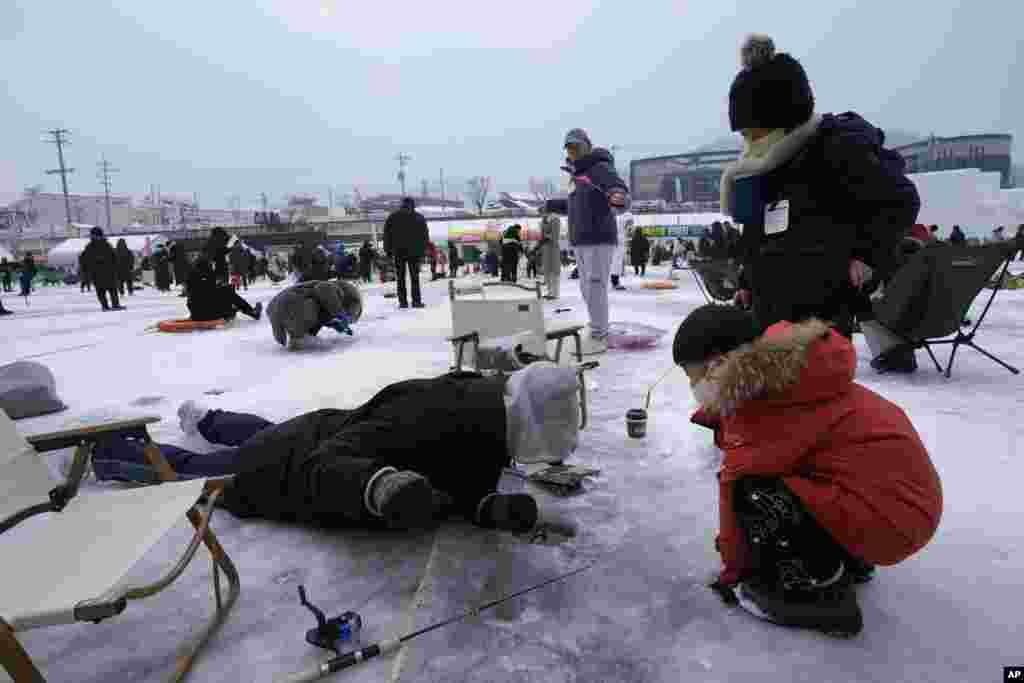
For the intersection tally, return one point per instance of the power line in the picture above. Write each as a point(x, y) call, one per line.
point(58, 136)
point(105, 169)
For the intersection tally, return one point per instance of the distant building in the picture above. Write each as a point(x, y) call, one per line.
point(391, 202)
point(681, 179)
point(985, 152)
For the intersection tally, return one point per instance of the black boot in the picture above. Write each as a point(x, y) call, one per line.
point(515, 512)
point(831, 608)
point(405, 499)
point(897, 359)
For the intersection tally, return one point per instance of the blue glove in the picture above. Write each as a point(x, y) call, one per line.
point(341, 324)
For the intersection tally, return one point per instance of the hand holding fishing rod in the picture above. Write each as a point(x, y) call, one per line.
point(384, 647)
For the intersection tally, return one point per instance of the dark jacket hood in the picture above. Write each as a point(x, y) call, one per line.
point(596, 156)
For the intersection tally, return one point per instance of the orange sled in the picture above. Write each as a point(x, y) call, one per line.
point(660, 284)
point(190, 325)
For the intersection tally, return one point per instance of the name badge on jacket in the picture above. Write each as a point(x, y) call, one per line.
point(776, 217)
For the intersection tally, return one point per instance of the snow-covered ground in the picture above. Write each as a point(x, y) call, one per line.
point(642, 613)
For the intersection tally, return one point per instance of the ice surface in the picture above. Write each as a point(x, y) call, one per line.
point(642, 613)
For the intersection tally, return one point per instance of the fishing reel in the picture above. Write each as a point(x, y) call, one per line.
point(331, 633)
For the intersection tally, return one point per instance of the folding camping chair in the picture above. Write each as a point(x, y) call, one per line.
point(67, 566)
point(476, 320)
point(928, 298)
point(717, 279)
point(481, 322)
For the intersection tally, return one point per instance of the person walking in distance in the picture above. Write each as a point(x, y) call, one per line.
point(366, 258)
point(5, 274)
point(639, 250)
point(405, 241)
point(125, 267)
point(596, 196)
point(550, 254)
point(100, 262)
point(453, 260)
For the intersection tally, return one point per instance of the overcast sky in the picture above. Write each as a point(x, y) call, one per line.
point(222, 97)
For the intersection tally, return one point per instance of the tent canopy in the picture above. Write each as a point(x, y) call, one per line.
point(67, 252)
point(6, 253)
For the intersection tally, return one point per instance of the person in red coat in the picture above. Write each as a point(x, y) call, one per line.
point(821, 477)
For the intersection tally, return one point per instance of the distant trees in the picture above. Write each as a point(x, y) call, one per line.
point(478, 189)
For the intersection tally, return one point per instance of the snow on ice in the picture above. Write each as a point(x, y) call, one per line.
point(642, 613)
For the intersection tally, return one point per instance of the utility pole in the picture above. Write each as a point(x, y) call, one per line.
point(402, 160)
point(104, 177)
point(443, 205)
point(426, 189)
point(58, 136)
point(330, 198)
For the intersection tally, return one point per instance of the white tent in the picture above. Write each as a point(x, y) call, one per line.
point(6, 253)
point(67, 252)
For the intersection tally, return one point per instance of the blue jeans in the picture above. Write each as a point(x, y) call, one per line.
point(124, 458)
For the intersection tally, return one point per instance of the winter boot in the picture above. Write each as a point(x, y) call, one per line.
point(829, 606)
point(898, 359)
point(519, 513)
point(405, 499)
point(190, 414)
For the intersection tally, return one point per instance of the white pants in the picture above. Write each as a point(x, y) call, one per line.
point(594, 262)
point(553, 281)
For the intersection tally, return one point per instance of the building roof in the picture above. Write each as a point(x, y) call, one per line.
point(958, 138)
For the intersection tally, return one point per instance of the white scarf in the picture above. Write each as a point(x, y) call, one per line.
point(765, 155)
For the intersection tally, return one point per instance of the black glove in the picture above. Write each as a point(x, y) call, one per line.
point(726, 593)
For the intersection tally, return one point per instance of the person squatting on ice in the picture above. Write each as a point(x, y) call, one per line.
point(100, 262)
point(418, 451)
point(209, 299)
point(298, 312)
point(821, 478)
point(824, 206)
point(597, 194)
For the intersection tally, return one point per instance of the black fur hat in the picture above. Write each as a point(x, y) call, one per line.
point(771, 90)
point(712, 329)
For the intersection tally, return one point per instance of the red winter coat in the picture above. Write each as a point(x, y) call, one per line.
point(789, 407)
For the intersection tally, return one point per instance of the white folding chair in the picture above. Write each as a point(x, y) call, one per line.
point(476, 321)
point(65, 555)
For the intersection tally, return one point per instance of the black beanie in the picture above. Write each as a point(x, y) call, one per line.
point(712, 329)
point(771, 91)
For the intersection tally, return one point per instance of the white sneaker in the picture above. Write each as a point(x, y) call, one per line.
point(190, 414)
point(592, 346)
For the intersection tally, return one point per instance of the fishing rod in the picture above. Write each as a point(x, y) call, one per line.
point(384, 647)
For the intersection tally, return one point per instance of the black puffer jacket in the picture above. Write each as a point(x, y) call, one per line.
point(406, 234)
point(313, 468)
point(100, 262)
point(848, 199)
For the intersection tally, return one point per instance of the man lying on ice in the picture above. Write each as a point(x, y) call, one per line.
point(821, 477)
point(415, 452)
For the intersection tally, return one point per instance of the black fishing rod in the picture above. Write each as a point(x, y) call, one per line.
point(384, 647)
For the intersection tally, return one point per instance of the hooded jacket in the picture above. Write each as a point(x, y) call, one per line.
point(788, 407)
point(639, 247)
point(848, 198)
point(303, 309)
point(125, 260)
point(591, 218)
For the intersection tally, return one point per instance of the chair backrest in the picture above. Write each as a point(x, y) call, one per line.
point(495, 318)
point(930, 295)
point(721, 277)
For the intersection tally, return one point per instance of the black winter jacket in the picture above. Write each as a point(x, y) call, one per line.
point(848, 199)
point(100, 261)
point(406, 234)
point(639, 248)
point(125, 262)
point(314, 468)
point(591, 218)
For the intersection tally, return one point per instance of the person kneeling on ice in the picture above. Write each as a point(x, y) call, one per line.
point(415, 452)
point(301, 310)
point(208, 299)
point(821, 477)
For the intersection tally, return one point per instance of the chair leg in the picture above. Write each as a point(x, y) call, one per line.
point(991, 357)
point(15, 660)
point(952, 356)
point(928, 348)
point(220, 558)
point(558, 350)
point(579, 347)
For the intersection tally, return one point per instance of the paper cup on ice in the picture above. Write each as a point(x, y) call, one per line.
point(636, 423)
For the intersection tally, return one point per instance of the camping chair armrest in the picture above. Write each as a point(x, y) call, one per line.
point(67, 438)
point(562, 332)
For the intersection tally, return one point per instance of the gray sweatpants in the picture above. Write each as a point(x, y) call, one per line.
point(553, 281)
point(594, 262)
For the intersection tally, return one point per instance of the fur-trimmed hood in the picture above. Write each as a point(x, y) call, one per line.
point(790, 364)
